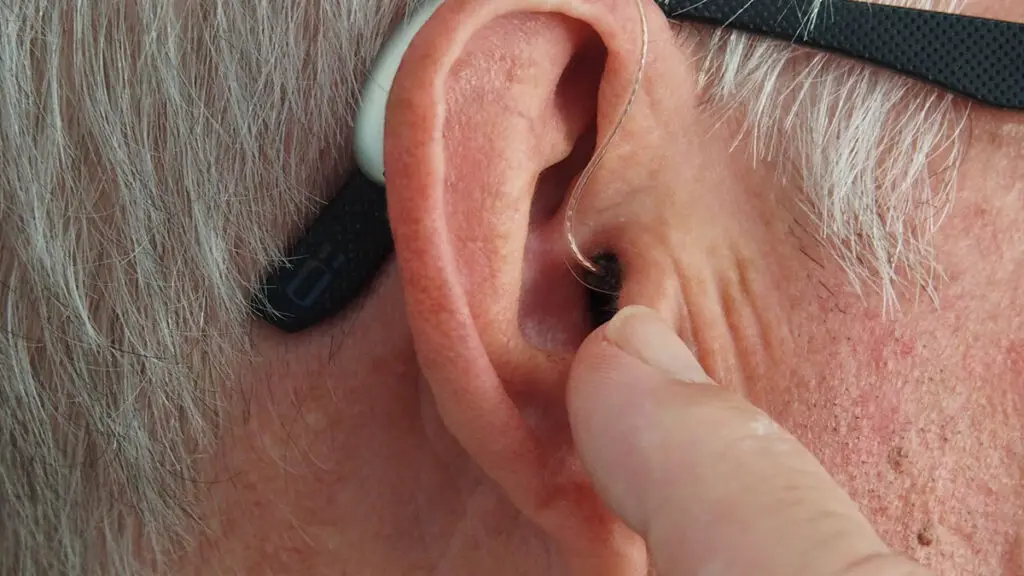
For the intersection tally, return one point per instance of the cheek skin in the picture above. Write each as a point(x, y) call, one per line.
point(922, 433)
point(916, 411)
point(917, 414)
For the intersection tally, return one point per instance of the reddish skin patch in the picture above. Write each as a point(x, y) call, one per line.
point(1015, 357)
point(907, 347)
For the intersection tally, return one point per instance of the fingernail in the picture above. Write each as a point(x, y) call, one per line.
point(641, 333)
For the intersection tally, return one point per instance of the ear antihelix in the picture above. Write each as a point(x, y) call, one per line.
point(369, 125)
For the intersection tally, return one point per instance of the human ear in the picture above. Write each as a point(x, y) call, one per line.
point(493, 113)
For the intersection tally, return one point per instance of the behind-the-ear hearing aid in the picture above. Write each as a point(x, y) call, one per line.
point(339, 256)
point(341, 253)
point(369, 126)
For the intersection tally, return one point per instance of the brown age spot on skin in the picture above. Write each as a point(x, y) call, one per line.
point(898, 458)
point(926, 536)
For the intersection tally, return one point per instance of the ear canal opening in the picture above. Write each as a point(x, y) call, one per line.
point(603, 288)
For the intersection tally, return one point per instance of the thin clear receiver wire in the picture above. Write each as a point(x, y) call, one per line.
point(577, 191)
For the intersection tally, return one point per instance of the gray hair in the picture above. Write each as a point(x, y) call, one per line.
point(876, 154)
point(153, 155)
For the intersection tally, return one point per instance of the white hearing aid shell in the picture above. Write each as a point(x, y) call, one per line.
point(369, 126)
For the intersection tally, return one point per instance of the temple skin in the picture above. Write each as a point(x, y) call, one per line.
point(361, 449)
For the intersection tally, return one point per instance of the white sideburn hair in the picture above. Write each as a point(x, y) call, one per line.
point(154, 154)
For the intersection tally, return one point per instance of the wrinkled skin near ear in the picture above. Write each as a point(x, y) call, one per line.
point(492, 115)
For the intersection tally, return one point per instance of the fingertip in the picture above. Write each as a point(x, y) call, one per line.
point(645, 335)
point(610, 400)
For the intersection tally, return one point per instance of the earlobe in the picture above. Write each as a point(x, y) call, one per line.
point(491, 117)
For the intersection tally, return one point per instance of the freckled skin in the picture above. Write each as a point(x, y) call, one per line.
point(920, 415)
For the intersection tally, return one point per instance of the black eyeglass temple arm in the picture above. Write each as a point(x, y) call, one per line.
point(977, 58)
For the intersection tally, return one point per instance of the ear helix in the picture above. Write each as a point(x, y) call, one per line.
point(603, 273)
point(369, 125)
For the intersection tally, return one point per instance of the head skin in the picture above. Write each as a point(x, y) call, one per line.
point(155, 158)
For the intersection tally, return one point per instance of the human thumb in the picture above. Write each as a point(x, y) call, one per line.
point(710, 481)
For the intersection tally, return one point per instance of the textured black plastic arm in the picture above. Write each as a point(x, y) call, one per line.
point(975, 57)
